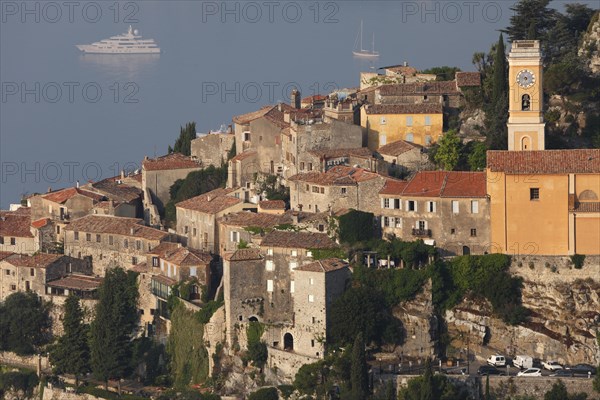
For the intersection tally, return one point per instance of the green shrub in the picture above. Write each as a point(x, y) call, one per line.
point(264, 394)
point(23, 380)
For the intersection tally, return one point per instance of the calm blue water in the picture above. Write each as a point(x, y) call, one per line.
point(56, 127)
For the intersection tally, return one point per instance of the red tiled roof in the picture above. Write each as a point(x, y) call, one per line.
point(441, 184)
point(393, 186)
point(396, 148)
point(251, 116)
point(41, 260)
point(5, 254)
point(338, 175)
point(298, 240)
point(118, 191)
point(61, 196)
point(141, 267)
point(312, 99)
point(424, 108)
point(179, 255)
point(169, 161)
point(77, 282)
point(272, 204)
point(16, 223)
point(244, 155)
point(243, 255)
point(132, 227)
point(582, 161)
point(40, 223)
point(212, 202)
point(334, 153)
point(420, 88)
point(325, 265)
point(468, 79)
point(246, 218)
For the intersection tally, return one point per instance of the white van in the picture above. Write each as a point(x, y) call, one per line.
point(497, 360)
point(523, 362)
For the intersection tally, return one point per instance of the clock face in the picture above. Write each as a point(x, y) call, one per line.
point(525, 78)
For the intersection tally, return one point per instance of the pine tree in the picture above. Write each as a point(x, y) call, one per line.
point(359, 375)
point(113, 326)
point(71, 354)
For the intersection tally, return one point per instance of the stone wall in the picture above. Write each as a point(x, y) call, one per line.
point(31, 362)
point(287, 363)
point(213, 148)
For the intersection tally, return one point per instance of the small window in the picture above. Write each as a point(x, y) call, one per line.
point(411, 205)
point(13, 287)
point(155, 261)
point(409, 121)
point(382, 121)
point(7, 272)
point(455, 206)
point(308, 253)
point(312, 341)
point(76, 235)
point(431, 206)
point(58, 229)
point(422, 225)
point(397, 204)
point(1, 240)
point(311, 281)
point(13, 241)
point(398, 222)
point(134, 260)
point(474, 207)
point(32, 272)
point(194, 232)
point(138, 245)
point(98, 238)
point(452, 231)
point(293, 265)
point(386, 222)
point(307, 188)
point(125, 243)
point(321, 228)
point(294, 253)
point(311, 298)
point(534, 194)
point(473, 232)
point(235, 237)
point(110, 240)
point(269, 285)
point(410, 137)
point(310, 166)
point(386, 203)
point(322, 190)
point(292, 286)
point(428, 140)
point(344, 190)
point(194, 272)
point(427, 120)
point(269, 265)
point(88, 237)
point(302, 166)
point(270, 252)
point(186, 229)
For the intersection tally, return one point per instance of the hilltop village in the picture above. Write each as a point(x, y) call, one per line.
point(263, 254)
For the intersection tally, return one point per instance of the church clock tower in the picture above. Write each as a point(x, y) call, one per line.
point(526, 97)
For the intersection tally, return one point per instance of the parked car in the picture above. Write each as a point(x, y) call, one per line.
point(584, 369)
point(523, 362)
point(488, 370)
point(497, 360)
point(562, 373)
point(531, 372)
point(551, 365)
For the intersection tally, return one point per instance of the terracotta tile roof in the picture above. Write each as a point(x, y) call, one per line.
point(16, 223)
point(118, 191)
point(544, 161)
point(165, 280)
point(401, 69)
point(588, 206)
point(244, 155)
point(41, 260)
point(339, 175)
point(452, 184)
point(5, 254)
point(420, 88)
point(77, 282)
point(212, 202)
point(272, 204)
point(298, 240)
point(179, 255)
point(132, 227)
point(243, 255)
point(141, 268)
point(245, 119)
point(312, 99)
point(61, 196)
point(169, 161)
point(325, 265)
point(393, 186)
point(40, 223)
point(424, 108)
point(334, 153)
point(245, 219)
point(396, 148)
point(468, 79)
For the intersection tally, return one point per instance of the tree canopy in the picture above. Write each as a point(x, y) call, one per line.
point(24, 323)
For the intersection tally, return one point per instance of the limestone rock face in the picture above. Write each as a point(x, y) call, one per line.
point(472, 122)
point(590, 46)
point(565, 314)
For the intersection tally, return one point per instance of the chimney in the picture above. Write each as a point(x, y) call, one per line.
point(295, 218)
point(406, 63)
point(295, 99)
point(132, 231)
point(77, 184)
point(49, 189)
point(280, 107)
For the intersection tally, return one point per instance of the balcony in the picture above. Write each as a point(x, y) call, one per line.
point(421, 232)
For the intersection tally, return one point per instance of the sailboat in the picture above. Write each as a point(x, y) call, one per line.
point(360, 52)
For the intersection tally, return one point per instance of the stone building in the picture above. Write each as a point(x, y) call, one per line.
point(339, 188)
point(111, 241)
point(64, 205)
point(16, 233)
point(325, 159)
point(402, 157)
point(197, 217)
point(158, 175)
point(417, 123)
point(242, 172)
point(344, 107)
point(126, 198)
point(447, 209)
point(213, 147)
point(271, 207)
point(402, 73)
point(20, 273)
point(246, 227)
point(260, 285)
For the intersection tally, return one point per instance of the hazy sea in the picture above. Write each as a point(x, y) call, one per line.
point(66, 116)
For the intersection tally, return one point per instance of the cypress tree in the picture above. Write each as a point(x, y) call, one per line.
point(487, 387)
point(359, 375)
point(112, 329)
point(71, 354)
point(428, 388)
point(500, 71)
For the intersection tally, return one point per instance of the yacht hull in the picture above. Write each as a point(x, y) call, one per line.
point(87, 48)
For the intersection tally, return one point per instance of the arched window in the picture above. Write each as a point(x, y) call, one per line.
point(588, 195)
point(253, 319)
point(525, 143)
point(525, 102)
point(466, 250)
